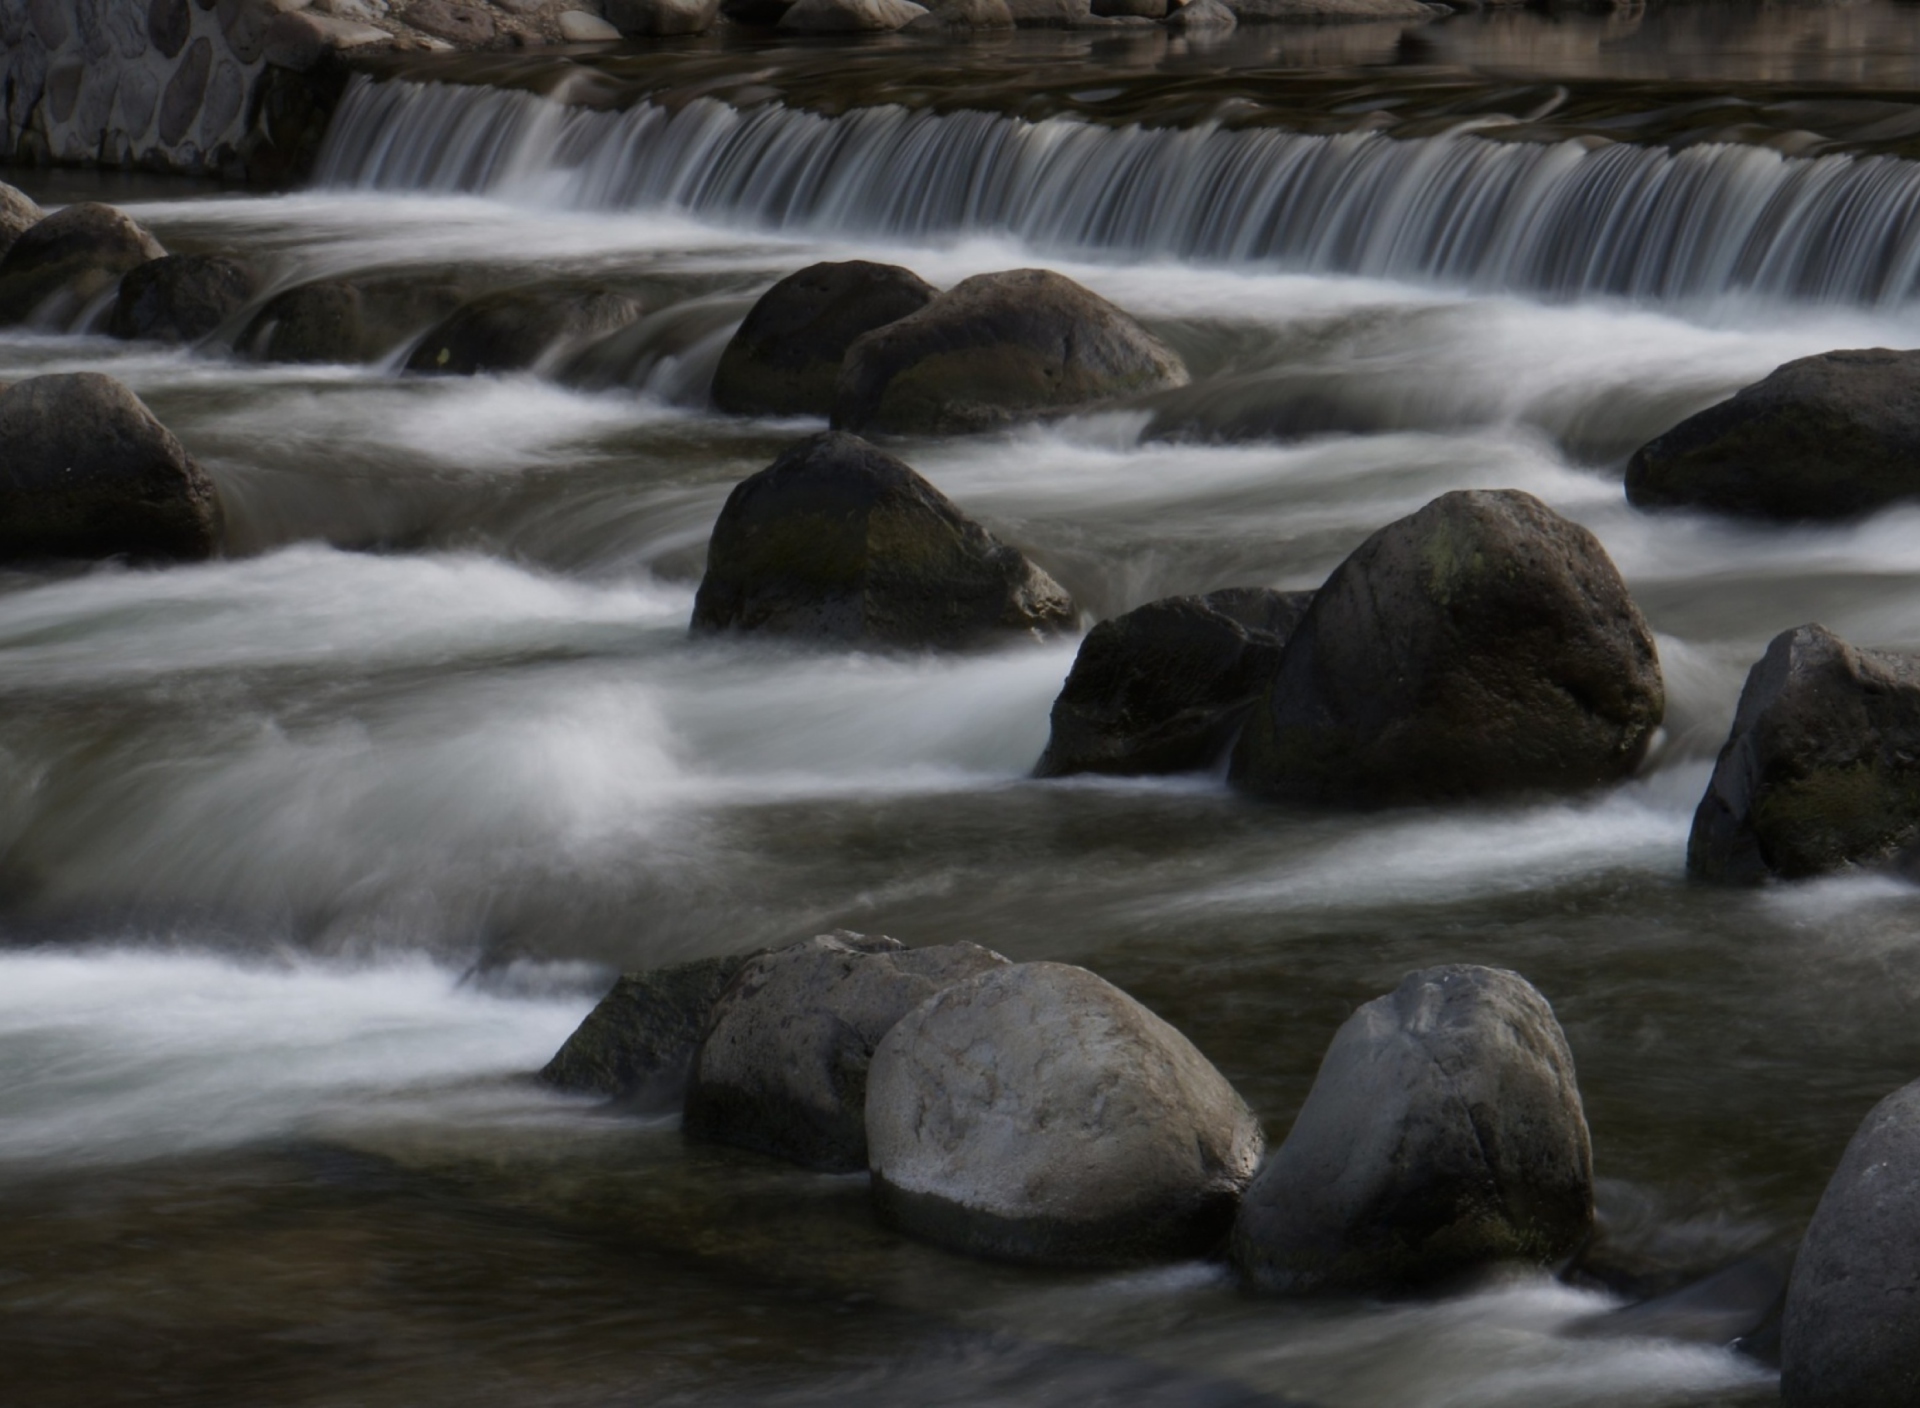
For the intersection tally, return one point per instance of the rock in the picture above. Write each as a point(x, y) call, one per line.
point(782, 1067)
point(786, 356)
point(755, 13)
point(75, 255)
point(849, 16)
point(450, 20)
point(1822, 767)
point(181, 298)
point(1037, 1113)
point(839, 541)
point(18, 214)
point(1832, 436)
point(964, 14)
point(1483, 645)
point(654, 17)
point(1851, 1334)
point(579, 27)
point(1322, 11)
point(1443, 1133)
point(335, 320)
point(513, 329)
point(299, 39)
point(87, 472)
point(1166, 687)
point(998, 348)
point(1050, 14)
point(1142, 9)
point(1202, 15)
point(637, 1046)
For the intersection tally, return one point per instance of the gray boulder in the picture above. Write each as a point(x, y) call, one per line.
point(1327, 11)
point(181, 298)
point(963, 14)
point(513, 329)
point(1821, 769)
point(87, 472)
point(1850, 1337)
point(1140, 9)
point(849, 16)
point(343, 321)
point(1831, 436)
point(637, 1045)
point(1483, 645)
point(994, 349)
point(785, 359)
point(1444, 1132)
point(1202, 15)
point(659, 17)
point(74, 256)
point(782, 1067)
point(1166, 687)
point(1037, 1113)
point(839, 541)
point(18, 214)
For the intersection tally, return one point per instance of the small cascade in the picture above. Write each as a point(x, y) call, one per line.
point(1561, 220)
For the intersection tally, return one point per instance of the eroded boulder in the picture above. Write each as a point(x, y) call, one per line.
point(1482, 645)
point(69, 259)
point(1444, 1132)
point(660, 17)
point(840, 541)
point(514, 329)
point(783, 1065)
point(1332, 11)
point(18, 214)
point(995, 349)
point(785, 359)
point(1037, 1113)
point(849, 16)
point(638, 1043)
point(347, 321)
point(181, 298)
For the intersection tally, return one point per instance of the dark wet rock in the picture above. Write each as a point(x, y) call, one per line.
point(1143, 9)
point(337, 320)
point(1050, 14)
point(840, 541)
point(637, 1046)
point(786, 357)
point(1166, 687)
point(998, 348)
point(1821, 770)
point(1443, 1133)
point(18, 214)
point(849, 16)
point(513, 329)
point(87, 472)
point(450, 20)
point(1202, 15)
point(1851, 1333)
point(782, 1067)
point(1038, 1113)
point(755, 13)
point(169, 25)
point(76, 254)
point(1324, 11)
point(1732, 1306)
point(1483, 645)
point(654, 17)
point(964, 14)
point(1832, 436)
point(181, 298)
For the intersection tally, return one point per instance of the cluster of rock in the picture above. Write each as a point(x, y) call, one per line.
point(1034, 1112)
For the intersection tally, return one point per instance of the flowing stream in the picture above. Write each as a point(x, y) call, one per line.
point(310, 855)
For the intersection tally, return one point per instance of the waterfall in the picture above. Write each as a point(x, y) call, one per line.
point(1559, 219)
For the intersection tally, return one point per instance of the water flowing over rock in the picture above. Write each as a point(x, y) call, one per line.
point(71, 258)
point(1821, 770)
point(1831, 436)
point(849, 16)
point(785, 359)
point(342, 320)
point(998, 348)
point(1850, 1337)
point(513, 329)
point(1444, 1132)
point(651, 17)
point(839, 541)
point(1037, 1113)
point(783, 1065)
point(87, 472)
point(1165, 687)
point(1483, 645)
point(637, 1045)
point(181, 298)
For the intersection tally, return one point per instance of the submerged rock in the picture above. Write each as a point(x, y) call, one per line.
point(1037, 1113)
point(1822, 767)
point(75, 254)
point(998, 348)
point(1444, 1132)
point(1482, 645)
point(654, 17)
point(839, 541)
point(637, 1045)
point(1850, 1337)
point(783, 1065)
point(849, 16)
point(1166, 687)
point(340, 320)
point(785, 359)
point(18, 214)
point(1831, 436)
point(181, 298)
point(86, 471)
point(513, 329)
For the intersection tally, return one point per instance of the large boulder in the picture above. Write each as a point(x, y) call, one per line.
point(1037, 1113)
point(1166, 687)
point(1330, 11)
point(1483, 645)
point(1850, 1337)
point(346, 321)
point(18, 214)
point(181, 298)
point(849, 16)
point(965, 14)
point(87, 472)
point(1443, 1133)
point(782, 1067)
point(513, 329)
point(785, 359)
point(837, 540)
point(638, 1043)
point(660, 17)
point(1202, 16)
point(1821, 769)
point(1832, 436)
point(998, 348)
point(74, 255)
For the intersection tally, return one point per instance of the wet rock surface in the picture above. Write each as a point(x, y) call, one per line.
point(637, 1045)
point(849, 16)
point(71, 258)
point(181, 298)
point(18, 214)
point(343, 320)
point(655, 17)
point(513, 329)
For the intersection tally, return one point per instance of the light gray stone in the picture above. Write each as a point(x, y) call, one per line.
point(299, 39)
point(849, 16)
point(966, 14)
point(1202, 15)
point(18, 214)
point(658, 17)
point(579, 27)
